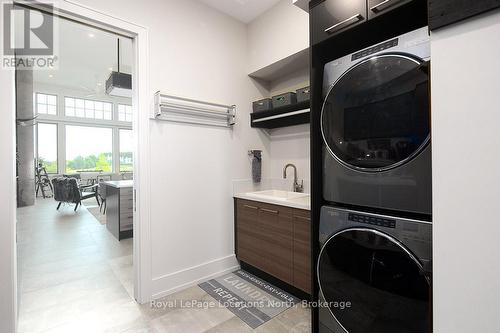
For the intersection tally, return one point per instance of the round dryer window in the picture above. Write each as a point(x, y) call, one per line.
point(385, 284)
point(376, 115)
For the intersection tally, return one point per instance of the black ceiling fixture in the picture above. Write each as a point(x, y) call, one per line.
point(118, 83)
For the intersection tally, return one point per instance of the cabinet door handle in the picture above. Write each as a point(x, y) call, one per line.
point(251, 207)
point(303, 218)
point(355, 18)
point(377, 9)
point(269, 211)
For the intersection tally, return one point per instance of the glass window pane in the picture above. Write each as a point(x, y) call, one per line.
point(89, 113)
point(89, 149)
point(47, 146)
point(69, 102)
point(79, 103)
point(107, 106)
point(107, 115)
point(98, 105)
point(51, 100)
point(42, 108)
point(41, 98)
point(98, 114)
point(89, 104)
point(51, 109)
point(126, 150)
point(70, 112)
point(80, 112)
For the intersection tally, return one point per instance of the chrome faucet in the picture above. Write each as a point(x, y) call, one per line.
point(296, 186)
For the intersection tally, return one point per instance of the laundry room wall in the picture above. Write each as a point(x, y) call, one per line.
point(466, 182)
point(280, 32)
point(196, 52)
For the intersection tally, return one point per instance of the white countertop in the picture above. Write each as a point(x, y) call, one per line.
point(119, 183)
point(300, 203)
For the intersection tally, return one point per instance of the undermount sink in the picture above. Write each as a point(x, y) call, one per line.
point(278, 195)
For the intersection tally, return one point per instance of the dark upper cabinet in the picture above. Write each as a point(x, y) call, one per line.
point(331, 17)
point(379, 7)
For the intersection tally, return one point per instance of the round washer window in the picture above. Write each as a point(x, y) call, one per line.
point(384, 283)
point(376, 116)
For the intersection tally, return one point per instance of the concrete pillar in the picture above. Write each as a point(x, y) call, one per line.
point(25, 139)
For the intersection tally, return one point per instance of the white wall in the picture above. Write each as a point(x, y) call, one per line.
point(278, 33)
point(466, 181)
point(200, 53)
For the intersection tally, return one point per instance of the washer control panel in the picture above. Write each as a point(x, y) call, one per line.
point(367, 219)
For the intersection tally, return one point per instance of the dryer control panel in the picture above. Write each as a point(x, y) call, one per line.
point(372, 220)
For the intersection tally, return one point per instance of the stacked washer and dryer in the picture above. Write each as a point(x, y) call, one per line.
point(374, 266)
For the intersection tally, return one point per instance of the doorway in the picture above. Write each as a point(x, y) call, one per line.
point(43, 129)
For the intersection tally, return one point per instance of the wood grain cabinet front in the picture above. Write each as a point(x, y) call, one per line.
point(276, 240)
point(277, 243)
point(248, 233)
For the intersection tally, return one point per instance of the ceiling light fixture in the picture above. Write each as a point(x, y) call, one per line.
point(119, 84)
point(91, 35)
point(50, 75)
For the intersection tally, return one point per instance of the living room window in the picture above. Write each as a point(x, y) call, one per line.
point(89, 149)
point(86, 108)
point(126, 149)
point(46, 104)
point(125, 112)
point(47, 146)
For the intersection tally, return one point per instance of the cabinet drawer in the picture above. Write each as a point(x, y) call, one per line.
point(126, 223)
point(331, 17)
point(379, 7)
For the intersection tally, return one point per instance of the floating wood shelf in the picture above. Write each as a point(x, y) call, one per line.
point(290, 115)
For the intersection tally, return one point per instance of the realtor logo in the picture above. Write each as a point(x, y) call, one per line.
point(28, 36)
point(28, 31)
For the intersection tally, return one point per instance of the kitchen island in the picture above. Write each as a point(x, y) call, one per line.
point(120, 208)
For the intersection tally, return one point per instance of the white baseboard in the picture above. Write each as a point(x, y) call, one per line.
point(176, 281)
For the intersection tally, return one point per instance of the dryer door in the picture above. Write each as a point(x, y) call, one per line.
point(376, 116)
point(384, 283)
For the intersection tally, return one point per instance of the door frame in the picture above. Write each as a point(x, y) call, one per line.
point(141, 101)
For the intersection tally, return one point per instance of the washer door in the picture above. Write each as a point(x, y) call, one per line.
point(376, 116)
point(384, 283)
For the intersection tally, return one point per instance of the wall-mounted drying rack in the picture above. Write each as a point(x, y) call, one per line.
point(185, 110)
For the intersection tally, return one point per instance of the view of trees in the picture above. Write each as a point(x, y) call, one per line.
point(101, 162)
point(50, 166)
point(126, 162)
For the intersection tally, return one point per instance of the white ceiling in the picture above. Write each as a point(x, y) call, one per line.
point(85, 57)
point(242, 10)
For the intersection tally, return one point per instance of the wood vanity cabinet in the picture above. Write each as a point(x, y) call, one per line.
point(302, 250)
point(276, 240)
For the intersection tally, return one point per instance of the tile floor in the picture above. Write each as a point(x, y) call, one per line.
point(75, 277)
